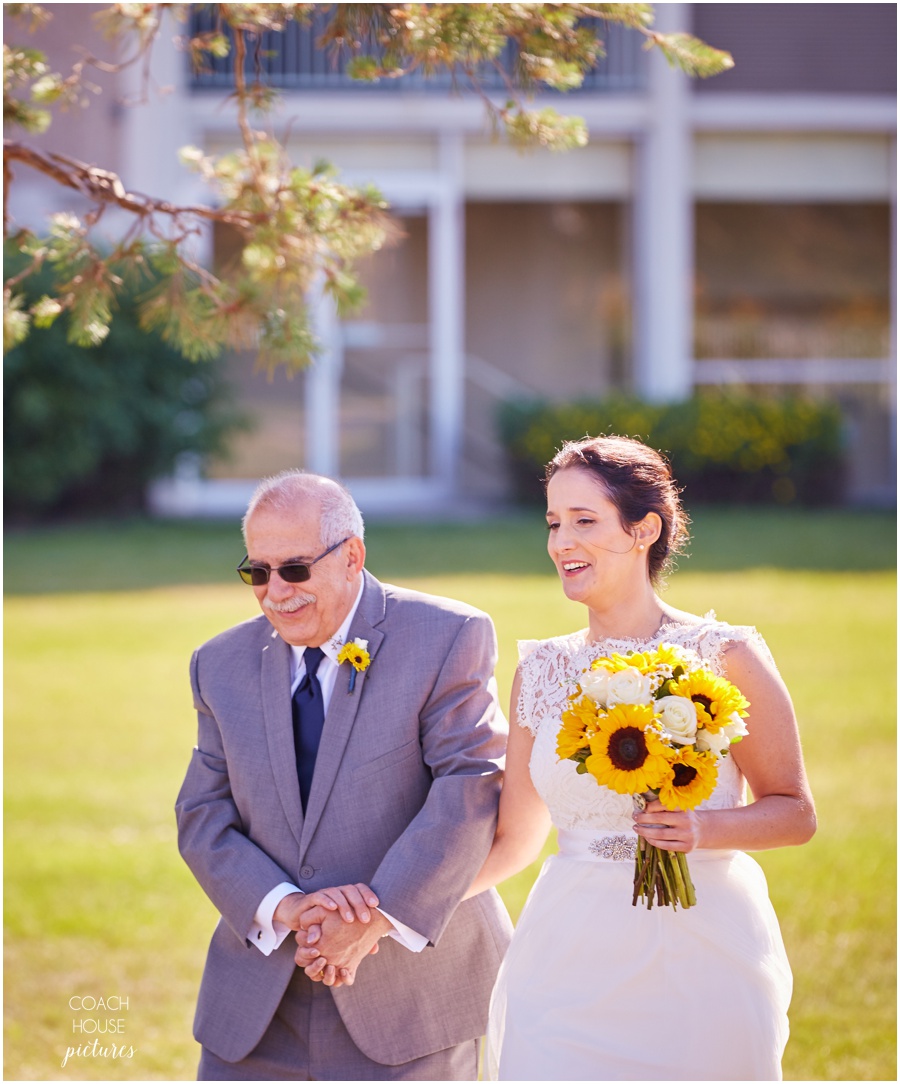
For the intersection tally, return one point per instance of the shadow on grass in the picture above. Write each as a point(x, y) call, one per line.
point(122, 555)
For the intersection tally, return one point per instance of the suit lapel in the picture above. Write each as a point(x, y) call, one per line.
point(275, 677)
point(343, 707)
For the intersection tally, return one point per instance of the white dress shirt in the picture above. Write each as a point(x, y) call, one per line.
point(266, 933)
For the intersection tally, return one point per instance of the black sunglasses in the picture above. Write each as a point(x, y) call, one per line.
point(298, 572)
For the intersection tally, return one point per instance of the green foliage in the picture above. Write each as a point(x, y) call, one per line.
point(555, 48)
point(691, 55)
point(299, 229)
point(723, 445)
point(85, 283)
point(16, 323)
point(88, 425)
point(26, 82)
point(544, 128)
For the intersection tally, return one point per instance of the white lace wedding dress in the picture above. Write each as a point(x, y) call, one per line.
point(593, 988)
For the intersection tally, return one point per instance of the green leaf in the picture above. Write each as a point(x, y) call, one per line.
point(346, 291)
point(546, 128)
point(27, 116)
point(164, 260)
point(219, 46)
point(20, 65)
point(555, 73)
point(262, 260)
point(91, 333)
point(637, 16)
point(45, 311)
point(286, 341)
point(47, 89)
point(692, 55)
point(364, 68)
point(16, 324)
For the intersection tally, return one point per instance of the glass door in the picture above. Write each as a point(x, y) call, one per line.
point(384, 405)
point(383, 416)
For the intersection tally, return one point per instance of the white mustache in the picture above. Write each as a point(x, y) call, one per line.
point(290, 605)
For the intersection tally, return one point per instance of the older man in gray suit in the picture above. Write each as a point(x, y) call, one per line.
point(399, 811)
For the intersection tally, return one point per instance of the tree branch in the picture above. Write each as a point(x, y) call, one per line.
point(102, 186)
point(240, 87)
point(7, 181)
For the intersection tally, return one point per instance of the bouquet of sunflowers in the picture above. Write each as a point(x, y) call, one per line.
point(653, 724)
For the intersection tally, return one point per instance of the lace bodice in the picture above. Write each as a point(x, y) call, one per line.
point(548, 668)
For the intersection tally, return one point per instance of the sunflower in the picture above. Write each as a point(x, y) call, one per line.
point(691, 779)
point(637, 660)
point(715, 698)
point(628, 754)
point(579, 722)
point(668, 655)
point(356, 654)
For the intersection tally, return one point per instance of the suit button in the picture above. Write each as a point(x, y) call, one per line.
point(306, 872)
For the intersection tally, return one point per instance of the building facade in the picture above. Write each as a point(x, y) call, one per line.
point(739, 230)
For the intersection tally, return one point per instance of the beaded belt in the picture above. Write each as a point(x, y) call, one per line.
point(615, 848)
point(587, 845)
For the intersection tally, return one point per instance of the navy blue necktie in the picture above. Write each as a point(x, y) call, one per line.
point(309, 718)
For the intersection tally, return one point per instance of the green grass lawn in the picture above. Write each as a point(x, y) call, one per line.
point(100, 621)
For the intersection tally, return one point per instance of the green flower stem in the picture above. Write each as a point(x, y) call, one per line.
point(652, 875)
point(677, 878)
point(641, 863)
point(670, 895)
point(690, 894)
point(645, 873)
point(664, 875)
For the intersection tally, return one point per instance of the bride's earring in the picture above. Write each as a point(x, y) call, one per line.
point(641, 546)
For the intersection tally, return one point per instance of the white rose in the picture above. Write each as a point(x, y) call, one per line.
point(628, 686)
point(360, 642)
point(713, 741)
point(679, 717)
point(595, 684)
point(736, 728)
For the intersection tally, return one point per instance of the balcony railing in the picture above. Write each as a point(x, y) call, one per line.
point(292, 60)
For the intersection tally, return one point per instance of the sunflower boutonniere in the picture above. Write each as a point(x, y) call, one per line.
point(355, 652)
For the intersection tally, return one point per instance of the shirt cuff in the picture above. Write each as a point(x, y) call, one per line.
point(265, 933)
point(407, 937)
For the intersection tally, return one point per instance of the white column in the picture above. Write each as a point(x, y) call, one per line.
point(323, 390)
point(157, 120)
point(446, 304)
point(663, 236)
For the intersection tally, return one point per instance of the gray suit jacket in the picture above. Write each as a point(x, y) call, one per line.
point(404, 798)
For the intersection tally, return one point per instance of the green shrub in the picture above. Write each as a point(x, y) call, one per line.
point(85, 430)
point(724, 446)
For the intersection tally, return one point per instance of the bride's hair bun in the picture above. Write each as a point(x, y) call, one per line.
point(637, 480)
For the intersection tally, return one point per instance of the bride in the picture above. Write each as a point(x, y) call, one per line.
point(592, 987)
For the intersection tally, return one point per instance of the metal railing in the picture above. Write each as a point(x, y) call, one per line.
point(293, 60)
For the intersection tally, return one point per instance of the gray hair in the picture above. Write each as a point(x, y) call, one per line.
point(340, 518)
